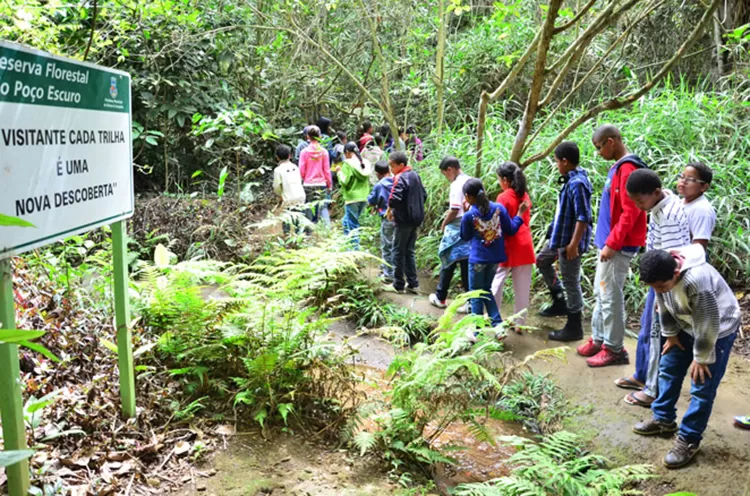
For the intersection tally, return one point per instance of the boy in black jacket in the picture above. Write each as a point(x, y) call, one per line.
point(406, 210)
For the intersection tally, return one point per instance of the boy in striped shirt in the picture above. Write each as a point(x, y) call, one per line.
point(700, 318)
point(668, 228)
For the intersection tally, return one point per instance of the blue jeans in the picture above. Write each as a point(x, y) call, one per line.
point(480, 277)
point(405, 257)
point(352, 211)
point(672, 370)
point(649, 347)
point(386, 247)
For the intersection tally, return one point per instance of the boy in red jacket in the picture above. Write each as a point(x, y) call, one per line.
point(620, 233)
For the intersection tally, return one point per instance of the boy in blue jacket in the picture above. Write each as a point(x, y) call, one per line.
point(378, 199)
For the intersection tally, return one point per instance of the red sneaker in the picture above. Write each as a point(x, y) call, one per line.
point(589, 349)
point(608, 357)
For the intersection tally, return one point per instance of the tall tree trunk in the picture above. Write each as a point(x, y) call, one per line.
point(440, 67)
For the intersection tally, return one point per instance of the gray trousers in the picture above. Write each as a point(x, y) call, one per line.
point(571, 275)
point(386, 247)
point(608, 319)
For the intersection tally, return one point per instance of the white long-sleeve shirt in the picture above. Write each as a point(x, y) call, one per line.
point(287, 183)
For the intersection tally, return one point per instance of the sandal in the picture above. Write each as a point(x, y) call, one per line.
point(629, 383)
point(632, 399)
point(742, 422)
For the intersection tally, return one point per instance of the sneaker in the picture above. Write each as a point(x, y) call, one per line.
point(608, 357)
point(653, 427)
point(465, 308)
point(393, 289)
point(681, 453)
point(589, 349)
point(471, 335)
point(743, 422)
point(412, 289)
point(435, 302)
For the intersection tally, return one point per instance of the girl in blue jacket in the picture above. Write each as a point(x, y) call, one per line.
point(484, 225)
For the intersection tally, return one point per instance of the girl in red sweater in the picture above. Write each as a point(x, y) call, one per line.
point(520, 248)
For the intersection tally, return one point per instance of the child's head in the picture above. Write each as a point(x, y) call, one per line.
point(341, 135)
point(659, 269)
point(377, 140)
point(475, 195)
point(350, 148)
point(381, 169)
point(324, 124)
point(283, 152)
point(450, 167)
point(304, 133)
point(694, 180)
point(644, 188)
point(367, 127)
point(608, 142)
point(397, 161)
point(512, 177)
point(313, 133)
point(567, 157)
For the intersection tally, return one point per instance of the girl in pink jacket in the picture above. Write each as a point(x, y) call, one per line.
point(315, 169)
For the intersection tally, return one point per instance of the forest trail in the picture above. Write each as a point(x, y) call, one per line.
point(719, 469)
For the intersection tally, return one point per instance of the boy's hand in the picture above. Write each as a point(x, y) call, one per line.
point(699, 372)
point(523, 207)
point(389, 214)
point(607, 254)
point(672, 341)
point(571, 251)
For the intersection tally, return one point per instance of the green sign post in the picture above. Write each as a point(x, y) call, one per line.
point(65, 167)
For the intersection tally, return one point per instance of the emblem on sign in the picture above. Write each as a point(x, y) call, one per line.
point(113, 87)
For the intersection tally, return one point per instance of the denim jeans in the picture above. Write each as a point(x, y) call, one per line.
point(571, 275)
point(386, 247)
point(404, 255)
point(673, 367)
point(480, 277)
point(608, 319)
point(352, 211)
point(446, 276)
point(649, 347)
point(318, 198)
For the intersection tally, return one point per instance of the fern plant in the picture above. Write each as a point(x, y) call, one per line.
point(558, 465)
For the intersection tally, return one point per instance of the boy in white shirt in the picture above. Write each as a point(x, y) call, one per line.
point(692, 184)
point(287, 183)
point(453, 250)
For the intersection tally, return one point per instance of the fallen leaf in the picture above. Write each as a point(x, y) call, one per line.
point(181, 448)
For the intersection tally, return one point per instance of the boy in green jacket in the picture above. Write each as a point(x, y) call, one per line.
point(354, 182)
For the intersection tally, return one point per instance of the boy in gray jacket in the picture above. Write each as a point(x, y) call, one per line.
point(700, 317)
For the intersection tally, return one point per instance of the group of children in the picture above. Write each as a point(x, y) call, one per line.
point(691, 317)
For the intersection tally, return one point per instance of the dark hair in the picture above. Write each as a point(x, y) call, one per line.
point(323, 123)
point(352, 147)
point(643, 182)
point(411, 130)
point(605, 132)
point(449, 161)
point(381, 167)
point(568, 150)
point(366, 126)
point(385, 131)
point(705, 173)
point(399, 158)
point(377, 140)
point(313, 132)
point(657, 266)
point(513, 173)
point(474, 187)
point(341, 135)
point(283, 152)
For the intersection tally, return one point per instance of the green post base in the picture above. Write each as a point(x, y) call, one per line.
point(11, 403)
point(122, 321)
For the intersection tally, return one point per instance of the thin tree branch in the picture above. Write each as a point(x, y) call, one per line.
point(618, 103)
point(577, 18)
point(91, 36)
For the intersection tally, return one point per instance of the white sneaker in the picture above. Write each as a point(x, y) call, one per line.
point(435, 302)
point(466, 308)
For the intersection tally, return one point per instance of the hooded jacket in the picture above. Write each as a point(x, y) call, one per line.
point(701, 304)
point(407, 198)
point(627, 222)
point(354, 180)
point(314, 166)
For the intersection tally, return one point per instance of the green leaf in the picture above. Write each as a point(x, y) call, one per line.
point(18, 335)
point(8, 458)
point(109, 345)
point(260, 417)
point(151, 140)
point(7, 220)
point(196, 174)
point(161, 256)
point(40, 349)
point(285, 409)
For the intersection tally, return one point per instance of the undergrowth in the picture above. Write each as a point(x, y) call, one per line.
point(557, 465)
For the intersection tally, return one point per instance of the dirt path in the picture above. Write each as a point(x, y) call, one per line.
point(722, 468)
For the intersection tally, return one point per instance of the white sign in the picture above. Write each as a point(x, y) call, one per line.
point(65, 147)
